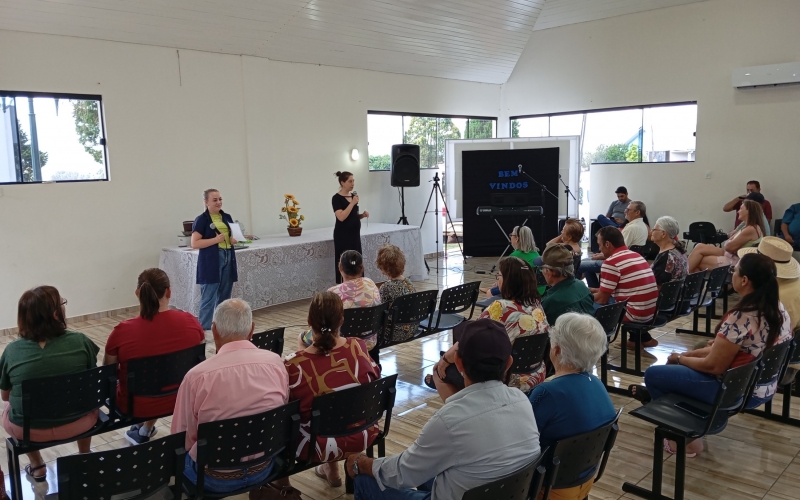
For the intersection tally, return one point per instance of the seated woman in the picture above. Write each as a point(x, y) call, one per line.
point(392, 262)
point(670, 263)
point(157, 330)
point(574, 401)
point(757, 322)
point(524, 248)
point(519, 310)
point(331, 362)
point(355, 291)
point(571, 234)
point(45, 349)
point(705, 256)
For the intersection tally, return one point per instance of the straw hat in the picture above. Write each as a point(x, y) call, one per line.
point(780, 251)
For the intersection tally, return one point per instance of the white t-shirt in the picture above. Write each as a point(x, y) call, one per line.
point(635, 232)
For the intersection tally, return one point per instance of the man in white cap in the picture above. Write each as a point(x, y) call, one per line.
point(780, 251)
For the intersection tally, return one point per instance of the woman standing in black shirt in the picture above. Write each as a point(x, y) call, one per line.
point(347, 231)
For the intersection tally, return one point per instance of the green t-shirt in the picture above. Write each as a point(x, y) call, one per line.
point(23, 359)
point(529, 257)
point(570, 295)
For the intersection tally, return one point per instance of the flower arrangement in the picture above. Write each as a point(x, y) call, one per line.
point(289, 212)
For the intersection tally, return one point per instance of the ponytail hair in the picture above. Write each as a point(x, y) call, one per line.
point(325, 317)
point(764, 301)
point(153, 283)
point(352, 263)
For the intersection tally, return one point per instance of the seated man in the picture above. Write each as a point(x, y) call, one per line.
point(469, 441)
point(616, 211)
point(753, 187)
point(625, 275)
point(635, 232)
point(566, 294)
point(239, 380)
point(790, 226)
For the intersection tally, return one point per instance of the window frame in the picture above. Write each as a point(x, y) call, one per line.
point(429, 115)
point(60, 95)
point(641, 107)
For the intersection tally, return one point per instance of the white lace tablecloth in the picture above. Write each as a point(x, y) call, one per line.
point(280, 268)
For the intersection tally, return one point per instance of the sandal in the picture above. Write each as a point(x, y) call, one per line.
point(30, 470)
point(672, 452)
point(271, 492)
point(333, 483)
point(429, 381)
point(639, 393)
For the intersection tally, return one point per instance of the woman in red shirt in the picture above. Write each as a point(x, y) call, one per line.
point(157, 330)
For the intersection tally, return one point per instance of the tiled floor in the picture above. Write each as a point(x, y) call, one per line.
point(752, 459)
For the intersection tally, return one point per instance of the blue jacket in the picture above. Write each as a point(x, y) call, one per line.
point(208, 261)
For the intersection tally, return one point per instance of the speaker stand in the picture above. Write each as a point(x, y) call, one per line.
point(402, 220)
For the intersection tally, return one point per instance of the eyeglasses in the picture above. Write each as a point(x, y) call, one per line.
point(498, 275)
point(63, 302)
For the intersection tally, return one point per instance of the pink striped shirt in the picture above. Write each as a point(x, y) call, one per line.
point(627, 276)
point(239, 380)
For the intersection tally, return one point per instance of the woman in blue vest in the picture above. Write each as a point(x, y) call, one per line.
point(216, 265)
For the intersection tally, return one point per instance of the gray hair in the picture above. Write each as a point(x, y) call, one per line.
point(525, 238)
point(669, 225)
point(640, 206)
point(233, 318)
point(581, 338)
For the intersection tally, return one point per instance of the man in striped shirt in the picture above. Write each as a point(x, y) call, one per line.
point(625, 275)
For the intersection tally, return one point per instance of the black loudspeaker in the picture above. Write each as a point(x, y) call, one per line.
point(405, 165)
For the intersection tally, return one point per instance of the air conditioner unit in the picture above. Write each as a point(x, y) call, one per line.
point(771, 75)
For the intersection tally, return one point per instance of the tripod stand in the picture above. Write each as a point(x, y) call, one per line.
point(438, 190)
point(403, 220)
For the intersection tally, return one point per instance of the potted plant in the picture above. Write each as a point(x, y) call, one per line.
point(289, 212)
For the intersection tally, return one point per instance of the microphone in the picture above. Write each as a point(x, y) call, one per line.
point(353, 193)
point(214, 227)
point(519, 168)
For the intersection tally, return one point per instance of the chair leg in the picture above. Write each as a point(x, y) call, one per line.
point(637, 356)
point(604, 368)
point(658, 470)
point(680, 468)
point(624, 349)
point(787, 400)
point(14, 472)
point(349, 485)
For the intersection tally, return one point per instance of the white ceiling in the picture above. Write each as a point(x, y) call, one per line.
point(476, 40)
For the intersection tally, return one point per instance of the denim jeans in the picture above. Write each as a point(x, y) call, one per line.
point(605, 221)
point(679, 379)
point(225, 485)
point(366, 488)
point(590, 268)
point(212, 294)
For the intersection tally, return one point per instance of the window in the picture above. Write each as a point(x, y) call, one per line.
point(430, 132)
point(51, 137)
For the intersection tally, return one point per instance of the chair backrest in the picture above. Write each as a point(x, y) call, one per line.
point(648, 251)
point(130, 473)
point(668, 298)
point(540, 281)
point(412, 308)
point(67, 396)
point(346, 412)
point(161, 375)
point(716, 279)
point(702, 231)
point(737, 383)
point(360, 320)
point(690, 295)
point(270, 340)
point(528, 352)
point(459, 298)
point(222, 444)
point(774, 362)
point(610, 316)
point(572, 457)
point(514, 486)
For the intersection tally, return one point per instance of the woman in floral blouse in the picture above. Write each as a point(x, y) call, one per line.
point(756, 323)
point(392, 262)
point(520, 310)
point(671, 262)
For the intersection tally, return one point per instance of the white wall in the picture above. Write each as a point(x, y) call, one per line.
point(251, 127)
point(678, 54)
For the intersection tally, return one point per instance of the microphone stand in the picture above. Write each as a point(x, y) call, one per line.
point(543, 190)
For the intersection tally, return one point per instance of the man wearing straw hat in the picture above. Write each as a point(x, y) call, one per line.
point(780, 251)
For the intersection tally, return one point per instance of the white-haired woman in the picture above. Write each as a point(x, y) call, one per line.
point(525, 248)
point(671, 262)
point(574, 401)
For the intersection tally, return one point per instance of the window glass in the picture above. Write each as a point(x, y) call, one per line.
point(669, 133)
point(613, 136)
point(382, 132)
point(538, 126)
point(562, 125)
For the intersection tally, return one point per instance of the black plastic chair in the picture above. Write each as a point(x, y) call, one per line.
point(681, 426)
point(648, 251)
point(519, 485)
point(350, 411)
point(528, 352)
point(774, 364)
point(362, 322)
point(62, 396)
point(270, 340)
point(610, 318)
point(572, 457)
point(158, 376)
point(453, 301)
point(714, 283)
point(222, 444)
point(691, 294)
point(703, 232)
point(665, 311)
point(131, 473)
point(411, 309)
